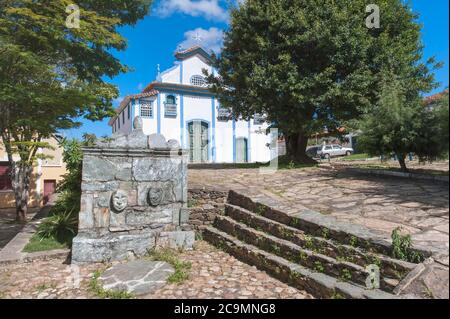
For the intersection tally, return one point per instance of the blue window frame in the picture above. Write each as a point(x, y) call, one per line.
point(129, 111)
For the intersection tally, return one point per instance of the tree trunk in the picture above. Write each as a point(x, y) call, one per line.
point(296, 148)
point(21, 184)
point(401, 159)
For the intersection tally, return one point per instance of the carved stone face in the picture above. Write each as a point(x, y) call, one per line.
point(155, 196)
point(119, 201)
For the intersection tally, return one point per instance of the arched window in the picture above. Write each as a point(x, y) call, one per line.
point(170, 106)
point(170, 99)
point(198, 80)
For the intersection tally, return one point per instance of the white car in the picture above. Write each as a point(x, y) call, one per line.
point(334, 150)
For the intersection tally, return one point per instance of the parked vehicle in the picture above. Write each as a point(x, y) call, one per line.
point(328, 151)
point(313, 150)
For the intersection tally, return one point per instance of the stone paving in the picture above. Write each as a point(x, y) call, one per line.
point(382, 204)
point(8, 226)
point(137, 277)
point(214, 274)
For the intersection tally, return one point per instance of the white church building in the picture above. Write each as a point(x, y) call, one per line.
point(179, 105)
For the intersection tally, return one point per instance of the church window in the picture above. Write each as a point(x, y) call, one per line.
point(198, 80)
point(146, 108)
point(223, 114)
point(170, 99)
point(170, 106)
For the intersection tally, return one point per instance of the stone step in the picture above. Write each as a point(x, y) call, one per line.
point(389, 267)
point(317, 224)
point(318, 284)
point(343, 270)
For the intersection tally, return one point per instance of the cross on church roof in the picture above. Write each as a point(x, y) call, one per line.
point(197, 37)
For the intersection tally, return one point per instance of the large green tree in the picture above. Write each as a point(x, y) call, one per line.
point(53, 72)
point(314, 64)
point(399, 125)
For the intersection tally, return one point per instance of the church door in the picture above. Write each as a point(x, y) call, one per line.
point(241, 150)
point(198, 141)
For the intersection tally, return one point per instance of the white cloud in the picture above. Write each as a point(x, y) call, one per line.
point(140, 86)
point(209, 9)
point(211, 39)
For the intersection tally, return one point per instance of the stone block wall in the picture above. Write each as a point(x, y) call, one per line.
point(204, 206)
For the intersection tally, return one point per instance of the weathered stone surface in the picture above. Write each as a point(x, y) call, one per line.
point(129, 188)
point(136, 277)
point(173, 144)
point(184, 239)
point(100, 186)
point(87, 248)
point(428, 280)
point(106, 168)
point(157, 169)
point(156, 141)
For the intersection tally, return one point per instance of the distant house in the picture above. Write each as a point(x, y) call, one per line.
point(46, 174)
point(430, 101)
point(179, 105)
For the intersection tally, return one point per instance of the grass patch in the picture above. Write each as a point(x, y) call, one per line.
point(355, 157)
point(170, 256)
point(97, 289)
point(38, 243)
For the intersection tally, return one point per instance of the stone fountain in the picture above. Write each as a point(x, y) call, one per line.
point(134, 198)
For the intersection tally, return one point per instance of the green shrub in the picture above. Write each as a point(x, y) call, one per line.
point(401, 247)
point(61, 227)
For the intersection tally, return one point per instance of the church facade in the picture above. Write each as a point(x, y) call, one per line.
point(179, 105)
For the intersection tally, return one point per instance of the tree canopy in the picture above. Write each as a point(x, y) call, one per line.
point(53, 73)
point(314, 64)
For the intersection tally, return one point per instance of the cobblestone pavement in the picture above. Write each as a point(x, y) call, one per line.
point(420, 207)
point(214, 274)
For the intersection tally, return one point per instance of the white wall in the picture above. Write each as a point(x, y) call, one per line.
point(193, 66)
point(149, 124)
point(172, 75)
point(170, 126)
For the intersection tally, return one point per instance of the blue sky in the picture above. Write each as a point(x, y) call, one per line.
point(175, 22)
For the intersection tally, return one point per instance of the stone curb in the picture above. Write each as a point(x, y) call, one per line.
point(382, 172)
point(37, 256)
